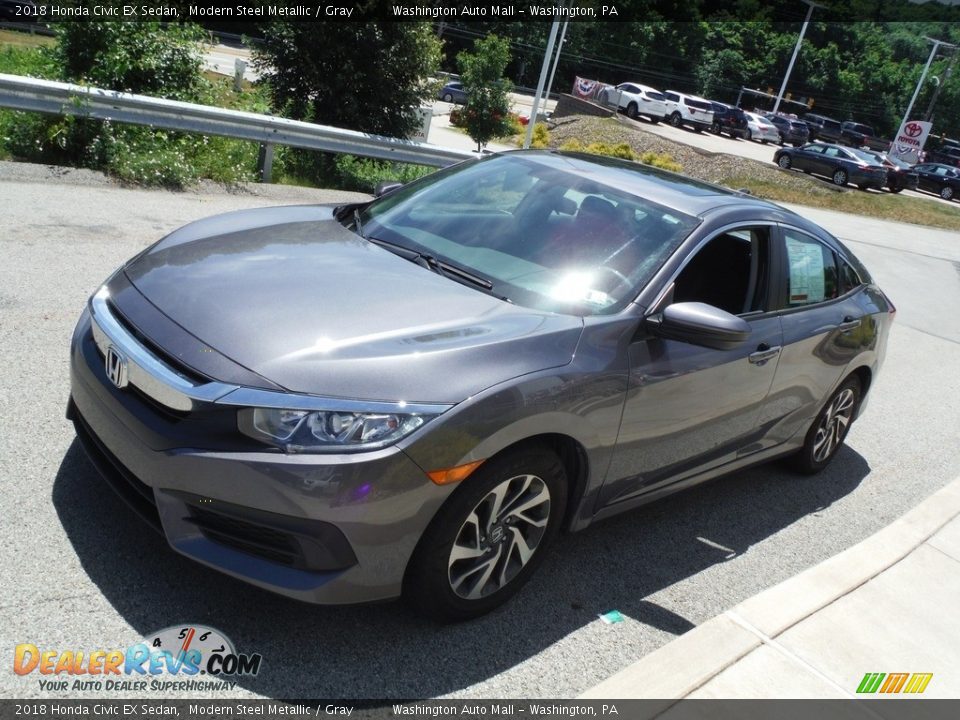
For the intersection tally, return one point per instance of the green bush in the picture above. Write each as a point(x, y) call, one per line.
point(541, 136)
point(363, 174)
point(624, 151)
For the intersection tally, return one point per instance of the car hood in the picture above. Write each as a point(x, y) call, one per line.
point(292, 295)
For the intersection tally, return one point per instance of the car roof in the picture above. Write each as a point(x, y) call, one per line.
point(671, 190)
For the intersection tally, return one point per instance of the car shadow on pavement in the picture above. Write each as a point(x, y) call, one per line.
point(386, 651)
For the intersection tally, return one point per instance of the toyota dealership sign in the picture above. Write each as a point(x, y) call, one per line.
point(909, 140)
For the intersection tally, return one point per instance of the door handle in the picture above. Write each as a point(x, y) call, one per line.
point(849, 324)
point(763, 354)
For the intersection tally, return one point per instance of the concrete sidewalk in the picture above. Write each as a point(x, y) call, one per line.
point(887, 605)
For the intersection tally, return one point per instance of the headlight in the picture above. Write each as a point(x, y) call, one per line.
point(327, 431)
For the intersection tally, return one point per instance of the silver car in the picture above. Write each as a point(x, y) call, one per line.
point(414, 395)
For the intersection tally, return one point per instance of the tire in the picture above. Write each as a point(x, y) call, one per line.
point(632, 111)
point(763, 142)
point(863, 187)
point(654, 120)
point(447, 97)
point(715, 128)
point(675, 119)
point(785, 162)
point(451, 589)
point(840, 177)
point(748, 135)
point(829, 429)
point(946, 192)
point(896, 189)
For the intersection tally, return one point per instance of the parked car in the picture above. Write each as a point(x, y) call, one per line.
point(453, 92)
point(689, 110)
point(900, 175)
point(944, 180)
point(823, 128)
point(761, 129)
point(859, 135)
point(945, 155)
point(842, 165)
point(637, 99)
point(728, 119)
point(413, 395)
point(791, 130)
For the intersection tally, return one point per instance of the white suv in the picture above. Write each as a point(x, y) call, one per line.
point(637, 99)
point(688, 110)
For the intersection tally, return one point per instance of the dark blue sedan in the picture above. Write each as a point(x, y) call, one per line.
point(842, 165)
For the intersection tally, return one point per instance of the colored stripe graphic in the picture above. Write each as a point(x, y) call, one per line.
point(870, 682)
point(894, 683)
point(918, 682)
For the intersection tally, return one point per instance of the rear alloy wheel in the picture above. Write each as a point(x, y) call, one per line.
point(784, 161)
point(830, 429)
point(447, 97)
point(946, 192)
point(632, 111)
point(840, 178)
point(675, 120)
point(489, 537)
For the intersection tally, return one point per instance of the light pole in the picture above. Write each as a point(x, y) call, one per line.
point(543, 79)
point(556, 60)
point(796, 50)
point(923, 75)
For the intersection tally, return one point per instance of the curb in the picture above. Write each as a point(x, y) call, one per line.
point(685, 664)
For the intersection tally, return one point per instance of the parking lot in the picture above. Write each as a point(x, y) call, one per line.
point(80, 571)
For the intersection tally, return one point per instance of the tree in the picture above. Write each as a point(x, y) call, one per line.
point(147, 58)
point(370, 76)
point(487, 108)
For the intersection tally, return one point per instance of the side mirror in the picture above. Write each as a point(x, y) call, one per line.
point(699, 324)
point(385, 187)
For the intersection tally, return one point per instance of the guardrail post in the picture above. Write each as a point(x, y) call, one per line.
point(239, 68)
point(265, 162)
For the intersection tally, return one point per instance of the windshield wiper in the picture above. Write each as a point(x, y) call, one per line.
point(441, 267)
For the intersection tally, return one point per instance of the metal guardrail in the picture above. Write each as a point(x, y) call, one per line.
point(46, 96)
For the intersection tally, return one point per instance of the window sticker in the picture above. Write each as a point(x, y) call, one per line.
point(806, 272)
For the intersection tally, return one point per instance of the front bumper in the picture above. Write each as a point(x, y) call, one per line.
point(320, 528)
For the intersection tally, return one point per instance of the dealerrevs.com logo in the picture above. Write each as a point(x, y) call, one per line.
point(181, 658)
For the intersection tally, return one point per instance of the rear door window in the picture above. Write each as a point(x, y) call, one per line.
point(811, 270)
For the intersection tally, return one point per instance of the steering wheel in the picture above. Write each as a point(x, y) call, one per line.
point(621, 278)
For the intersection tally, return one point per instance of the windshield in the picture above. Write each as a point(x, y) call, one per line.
point(543, 234)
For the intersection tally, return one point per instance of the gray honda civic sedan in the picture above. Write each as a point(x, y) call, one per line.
point(413, 396)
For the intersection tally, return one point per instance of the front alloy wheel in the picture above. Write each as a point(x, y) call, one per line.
point(489, 537)
point(830, 429)
point(840, 178)
point(499, 537)
point(784, 161)
point(946, 192)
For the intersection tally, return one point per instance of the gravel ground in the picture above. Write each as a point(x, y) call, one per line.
point(697, 163)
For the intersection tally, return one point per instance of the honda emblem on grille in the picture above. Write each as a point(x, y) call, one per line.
point(116, 365)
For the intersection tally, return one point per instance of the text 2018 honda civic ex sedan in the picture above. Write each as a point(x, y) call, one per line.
point(414, 395)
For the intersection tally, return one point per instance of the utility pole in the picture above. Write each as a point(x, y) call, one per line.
point(796, 50)
point(923, 75)
point(928, 115)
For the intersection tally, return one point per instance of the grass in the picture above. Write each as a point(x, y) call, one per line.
point(23, 39)
point(883, 206)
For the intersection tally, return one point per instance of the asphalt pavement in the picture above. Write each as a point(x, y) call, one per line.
point(79, 571)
